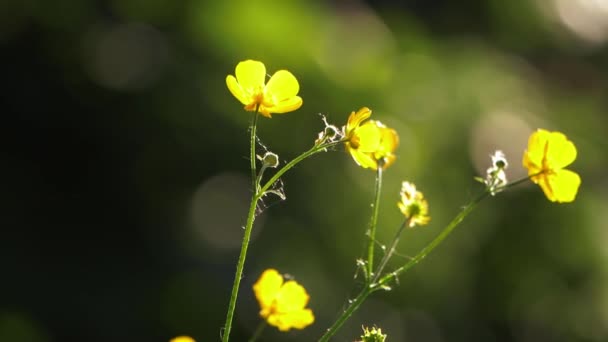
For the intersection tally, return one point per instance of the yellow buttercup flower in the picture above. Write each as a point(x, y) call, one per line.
point(413, 205)
point(282, 303)
point(370, 143)
point(182, 339)
point(547, 155)
point(249, 86)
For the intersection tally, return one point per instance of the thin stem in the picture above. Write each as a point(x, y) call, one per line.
point(257, 193)
point(314, 150)
point(258, 331)
point(352, 307)
point(391, 250)
point(356, 303)
point(373, 223)
point(252, 148)
point(433, 244)
point(239, 267)
point(248, 228)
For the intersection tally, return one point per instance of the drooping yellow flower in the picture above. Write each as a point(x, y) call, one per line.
point(370, 143)
point(283, 304)
point(547, 155)
point(182, 339)
point(413, 205)
point(249, 86)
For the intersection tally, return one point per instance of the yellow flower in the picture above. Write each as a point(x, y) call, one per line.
point(371, 144)
point(182, 339)
point(279, 95)
point(413, 205)
point(282, 303)
point(547, 155)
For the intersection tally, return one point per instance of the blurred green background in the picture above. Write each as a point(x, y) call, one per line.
point(125, 174)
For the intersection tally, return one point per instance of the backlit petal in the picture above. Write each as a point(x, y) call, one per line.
point(236, 90)
point(267, 287)
point(292, 296)
point(285, 106)
point(534, 155)
point(563, 186)
point(355, 119)
point(251, 74)
point(295, 319)
point(561, 152)
point(281, 86)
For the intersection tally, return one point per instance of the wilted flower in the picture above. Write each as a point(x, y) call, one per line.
point(283, 304)
point(249, 86)
point(547, 155)
point(495, 175)
point(370, 143)
point(413, 205)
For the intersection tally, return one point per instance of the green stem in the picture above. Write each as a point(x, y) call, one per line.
point(356, 303)
point(391, 250)
point(433, 244)
point(314, 150)
point(252, 148)
point(258, 331)
point(352, 307)
point(255, 197)
point(248, 227)
point(373, 223)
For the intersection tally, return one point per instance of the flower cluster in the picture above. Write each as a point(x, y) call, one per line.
point(282, 303)
point(371, 144)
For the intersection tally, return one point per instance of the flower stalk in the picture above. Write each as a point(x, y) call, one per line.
point(373, 223)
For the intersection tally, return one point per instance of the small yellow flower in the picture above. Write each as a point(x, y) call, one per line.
point(370, 143)
point(282, 303)
point(249, 86)
point(547, 155)
point(413, 205)
point(182, 339)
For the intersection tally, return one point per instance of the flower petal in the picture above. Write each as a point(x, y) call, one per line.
point(355, 119)
point(561, 186)
point(288, 105)
point(281, 86)
point(251, 74)
point(534, 155)
point(363, 159)
point(295, 319)
point(267, 287)
point(236, 90)
point(291, 297)
point(561, 152)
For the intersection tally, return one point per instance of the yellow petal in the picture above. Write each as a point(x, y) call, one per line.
point(561, 186)
point(560, 152)
point(291, 297)
point(238, 92)
point(355, 119)
point(267, 287)
point(535, 154)
point(182, 339)
point(367, 137)
point(288, 105)
point(295, 319)
point(363, 159)
point(281, 86)
point(251, 74)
